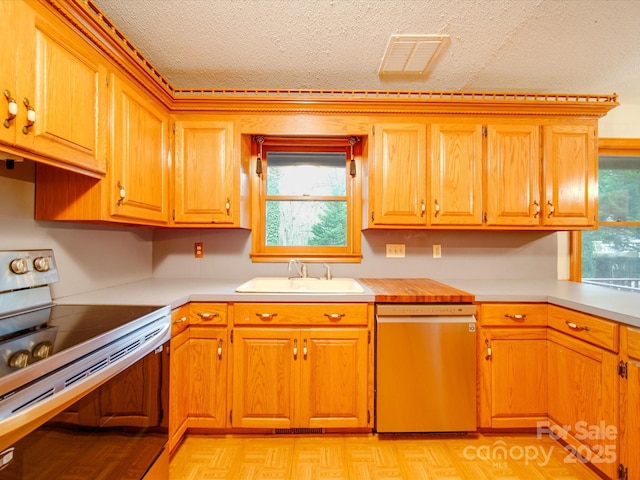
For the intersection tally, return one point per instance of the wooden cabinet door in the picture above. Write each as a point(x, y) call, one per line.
point(208, 370)
point(139, 173)
point(513, 377)
point(398, 177)
point(333, 389)
point(204, 172)
point(265, 377)
point(513, 191)
point(583, 399)
point(455, 170)
point(15, 59)
point(68, 92)
point(570, 175)
point(629, 402)
point(179, 385)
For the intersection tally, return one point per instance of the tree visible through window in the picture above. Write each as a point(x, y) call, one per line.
point(307, 203)
point(611, 254)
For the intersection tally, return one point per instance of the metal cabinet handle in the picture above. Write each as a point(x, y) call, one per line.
point(295, 348)
point(488, 355)
point(220, 349)
point(552, 209)
point(31, 116)
point(266, 316)
point(334, 316)
point(304, 349)
point(423, 207)
point(537, 208)
point(437, 208)
point(576, 327)
point(208, 316)
point(122, 192)
point(180, 320)
point(228, 206)
point(12, 109)
point(517, 316)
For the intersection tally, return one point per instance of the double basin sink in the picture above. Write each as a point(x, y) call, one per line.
point(300, 285)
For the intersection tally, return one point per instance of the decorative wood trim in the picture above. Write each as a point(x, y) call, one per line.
point(619, 146)
point(89, 20)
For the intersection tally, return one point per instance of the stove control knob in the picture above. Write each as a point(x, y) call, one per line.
point(19, 266)
point(42, 264)
point(42, 350)
point(20, 359)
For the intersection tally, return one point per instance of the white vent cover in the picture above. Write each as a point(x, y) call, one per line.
point(412, 54)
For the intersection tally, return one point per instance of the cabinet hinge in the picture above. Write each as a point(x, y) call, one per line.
point(231, 416)
point(368, 417)
point(369, 336)
point(173, 214)
point(623, 473)
point(484, 131)
point(106, 80)
point(373, 131)
point(622, 369)
point(373, 217)
point(484, 217)
point(173, 128)
point(231, 336)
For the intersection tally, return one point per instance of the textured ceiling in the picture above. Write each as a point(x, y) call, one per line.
point(560, 46)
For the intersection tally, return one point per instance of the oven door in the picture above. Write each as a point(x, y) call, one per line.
point(117, 431)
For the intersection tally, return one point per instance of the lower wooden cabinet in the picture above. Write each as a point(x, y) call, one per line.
point(629, 461)
point(583, 393)
point(300, 378)
point(180, 378)
point(512, 367)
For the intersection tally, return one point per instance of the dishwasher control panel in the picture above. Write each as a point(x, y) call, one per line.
point(425, 309)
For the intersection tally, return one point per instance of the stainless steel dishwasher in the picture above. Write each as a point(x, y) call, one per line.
point(425, 368)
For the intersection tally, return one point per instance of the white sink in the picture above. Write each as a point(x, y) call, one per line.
point(300, 285)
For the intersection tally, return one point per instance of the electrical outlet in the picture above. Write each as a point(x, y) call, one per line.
point(437, 251)
point(199, 250)
point(395, 250)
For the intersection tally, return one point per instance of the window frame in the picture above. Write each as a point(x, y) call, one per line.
point(626, 147)
point(351, 253)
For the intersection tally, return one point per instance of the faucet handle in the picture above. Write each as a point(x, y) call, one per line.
point(327, 274)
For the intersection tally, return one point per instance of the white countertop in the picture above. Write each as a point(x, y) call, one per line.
point(623, 307)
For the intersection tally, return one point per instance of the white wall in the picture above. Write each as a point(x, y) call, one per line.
point(621, 122)
point(465, 254)
point(88, 257)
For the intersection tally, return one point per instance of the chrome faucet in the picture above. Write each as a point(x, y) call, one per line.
point(327, 272)
point(301, 268)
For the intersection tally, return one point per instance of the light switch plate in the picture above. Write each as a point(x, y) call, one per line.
point(395, 250)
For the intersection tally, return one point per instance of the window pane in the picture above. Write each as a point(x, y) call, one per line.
point(610, 257)
point(619, 189)
point(300, 223)
point(306, 173)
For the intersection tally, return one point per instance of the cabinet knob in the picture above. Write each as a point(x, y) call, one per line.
point(537, 209)
point(227, 205)
point(304, 348)
point(31, 116)
point(295, 348)
point(12, 109)
point(552, 209)
point(423, 207)
point(436, 208)
point(122, 192)
point(220, 349)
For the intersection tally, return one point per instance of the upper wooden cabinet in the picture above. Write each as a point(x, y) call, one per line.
point(398, 175)
point(513, 191)
point(455, 170)
point(205, 180)
point(139, 173)
point(55, 84)
point(570, 175)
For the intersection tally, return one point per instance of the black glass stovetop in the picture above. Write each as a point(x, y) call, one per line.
point(62, 327)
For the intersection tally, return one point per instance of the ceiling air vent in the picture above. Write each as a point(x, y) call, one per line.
point(412, 54)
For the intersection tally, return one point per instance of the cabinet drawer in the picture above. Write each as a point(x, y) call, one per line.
point(513, 314)
point(179, 319)
point(633, 342)
point(595, 330)
point(208, 314)
point(300, 314)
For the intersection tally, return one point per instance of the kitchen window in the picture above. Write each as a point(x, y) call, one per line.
point(610, 255)
point(308, 199)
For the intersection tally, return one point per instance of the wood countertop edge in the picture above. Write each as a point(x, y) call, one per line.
point(415, 290)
